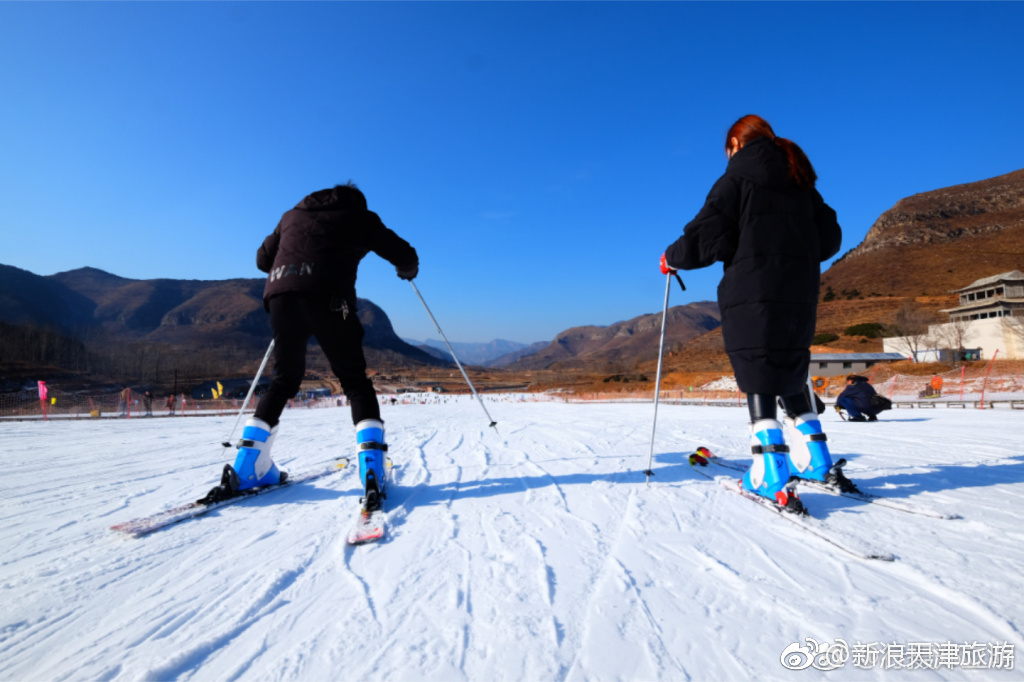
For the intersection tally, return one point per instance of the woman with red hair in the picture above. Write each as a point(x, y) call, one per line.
point(767, 224)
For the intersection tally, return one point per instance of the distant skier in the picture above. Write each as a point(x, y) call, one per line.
point(124, 398)
point(769, 226)
point(856, 399)
point(311, 258)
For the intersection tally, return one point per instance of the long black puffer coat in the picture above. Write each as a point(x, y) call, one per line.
point(771, 236)
point(318, 244)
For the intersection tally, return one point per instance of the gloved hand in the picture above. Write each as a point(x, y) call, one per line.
point(665, 269)
point(408, 273)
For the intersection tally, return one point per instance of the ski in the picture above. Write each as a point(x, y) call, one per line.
point(879, 500)
point(814, 526)
point(370, 526)
point(168, 517)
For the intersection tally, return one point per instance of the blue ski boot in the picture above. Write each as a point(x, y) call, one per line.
point(253, 464)
point(768, 476)
point(810, 459)
point(370, 437)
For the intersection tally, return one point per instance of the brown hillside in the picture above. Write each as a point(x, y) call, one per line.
point(706, 353)
point(161, 318)
point(618, 347)
point(934, 242)
point(835, 317)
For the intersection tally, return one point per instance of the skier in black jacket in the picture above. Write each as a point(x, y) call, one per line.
point(311, 260)
point(768, 225)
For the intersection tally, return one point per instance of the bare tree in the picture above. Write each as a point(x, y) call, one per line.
point(954, 335)
point(910, 331)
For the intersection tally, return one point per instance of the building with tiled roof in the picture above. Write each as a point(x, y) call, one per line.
point(996, 296)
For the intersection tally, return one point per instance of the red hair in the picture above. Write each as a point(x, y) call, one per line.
point(752, 126)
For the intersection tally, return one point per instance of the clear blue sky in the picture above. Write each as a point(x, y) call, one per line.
point(539, 156)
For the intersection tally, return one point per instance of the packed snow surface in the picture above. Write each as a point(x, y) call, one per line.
point(535, 552)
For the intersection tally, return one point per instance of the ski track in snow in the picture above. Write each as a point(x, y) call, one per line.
point(536, 552)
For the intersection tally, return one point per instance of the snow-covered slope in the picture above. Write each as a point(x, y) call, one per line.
point(536, 553)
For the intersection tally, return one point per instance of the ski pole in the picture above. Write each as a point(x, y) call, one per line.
point(252, 389)
point(493, 423)
point(657, 380)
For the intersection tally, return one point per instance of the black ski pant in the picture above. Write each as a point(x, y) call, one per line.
point(295, 317)
point(762, 405)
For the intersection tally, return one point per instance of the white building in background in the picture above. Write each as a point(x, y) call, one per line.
point(835, 364)
point(992, 308)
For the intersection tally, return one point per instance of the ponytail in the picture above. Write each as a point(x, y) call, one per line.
point(800, 168)
point(751, 127)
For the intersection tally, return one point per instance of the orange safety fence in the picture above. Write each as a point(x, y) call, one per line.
point(60, 404)
point(695, 396)
point(963, 385)
point(967, 385)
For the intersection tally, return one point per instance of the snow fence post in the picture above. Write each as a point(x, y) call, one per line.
point(981, 403)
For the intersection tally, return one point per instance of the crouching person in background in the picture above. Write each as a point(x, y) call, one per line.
point(856, 399)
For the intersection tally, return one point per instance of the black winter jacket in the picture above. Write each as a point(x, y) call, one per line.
point(318, 244)
point(771, 237)
point(860, 392)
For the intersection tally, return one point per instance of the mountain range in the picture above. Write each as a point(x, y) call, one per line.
point(496, 353)
point(184, 314)
point(915, 253)
point(227, 317)
point(619, 347)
